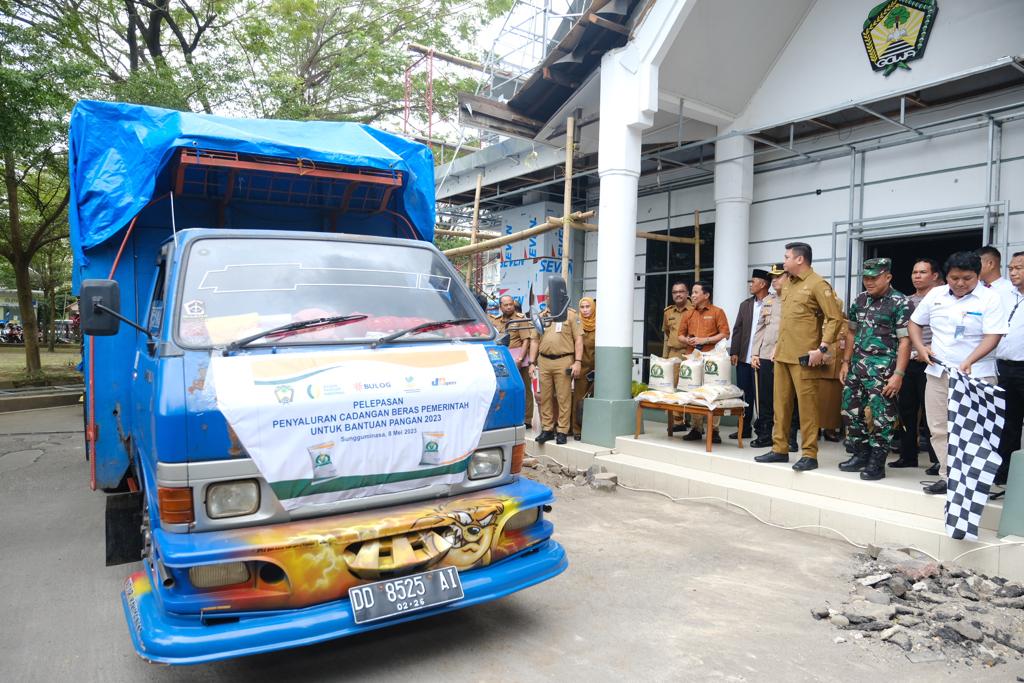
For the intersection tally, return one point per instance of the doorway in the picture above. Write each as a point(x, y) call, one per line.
point(905, 251)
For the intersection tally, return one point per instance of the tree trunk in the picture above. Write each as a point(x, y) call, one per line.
point(28, 317)
point(51, 336)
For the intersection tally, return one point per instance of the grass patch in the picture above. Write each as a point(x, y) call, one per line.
point(58, 367)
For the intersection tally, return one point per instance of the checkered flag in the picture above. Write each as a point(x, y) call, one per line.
point(977, 411)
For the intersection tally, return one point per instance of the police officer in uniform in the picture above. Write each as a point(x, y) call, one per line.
point(810, 323)
point(560, 352)
point(519, 337)
point(874, 364)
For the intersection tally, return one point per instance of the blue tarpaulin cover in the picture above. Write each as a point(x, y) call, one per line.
point(118, 154)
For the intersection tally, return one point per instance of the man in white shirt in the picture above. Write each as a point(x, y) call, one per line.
point(967, 321)
point(992, 270)
point(1010, 364)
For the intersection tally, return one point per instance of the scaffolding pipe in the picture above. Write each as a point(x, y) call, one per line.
point(987, 221)
point(696, 244)
point(570, 132)
point(515, 237)
point(470, 265)
point(462, 233)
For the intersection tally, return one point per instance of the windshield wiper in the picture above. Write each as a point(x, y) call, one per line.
point(292, 327)
point(422, 327)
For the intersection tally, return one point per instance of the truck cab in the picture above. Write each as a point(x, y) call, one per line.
point(307, 432)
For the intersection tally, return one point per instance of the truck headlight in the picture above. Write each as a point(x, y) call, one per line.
point(233, 499)
point(486, 463)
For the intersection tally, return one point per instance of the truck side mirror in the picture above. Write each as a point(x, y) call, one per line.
point(558, 299)
point(97, 299)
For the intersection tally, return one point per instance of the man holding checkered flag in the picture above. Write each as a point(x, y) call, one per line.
point(967, 321)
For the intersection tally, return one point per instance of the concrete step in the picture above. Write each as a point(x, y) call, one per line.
point(788, 506)
point(900, 491)
point(575, 453)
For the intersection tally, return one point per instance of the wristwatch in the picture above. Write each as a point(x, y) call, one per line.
point(823, 349)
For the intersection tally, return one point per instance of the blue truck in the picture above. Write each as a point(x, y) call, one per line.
point(306, 426)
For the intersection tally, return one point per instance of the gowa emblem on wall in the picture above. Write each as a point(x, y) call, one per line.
point(897, 31)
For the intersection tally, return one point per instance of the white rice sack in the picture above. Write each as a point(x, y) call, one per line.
point(717, 366)
point(713, 405)
point(717, 392)
point(663, 373)
point(691, 373)
point(659, 397)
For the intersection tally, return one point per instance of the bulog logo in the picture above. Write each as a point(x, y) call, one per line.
point(897, 31)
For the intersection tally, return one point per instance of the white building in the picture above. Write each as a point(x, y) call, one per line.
point(770, 120)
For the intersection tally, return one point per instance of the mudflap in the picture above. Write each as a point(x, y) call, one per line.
point(124, 528)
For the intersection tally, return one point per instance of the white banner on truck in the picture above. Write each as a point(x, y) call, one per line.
point(323, 427)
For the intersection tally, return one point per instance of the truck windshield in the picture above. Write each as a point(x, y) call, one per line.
point(236, 287)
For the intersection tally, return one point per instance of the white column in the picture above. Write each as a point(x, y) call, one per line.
point(622, 121)
point(734, 189)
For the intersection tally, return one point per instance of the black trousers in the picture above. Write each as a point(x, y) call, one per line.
point(745, 381)
point(911, 407)
point(1011, 379)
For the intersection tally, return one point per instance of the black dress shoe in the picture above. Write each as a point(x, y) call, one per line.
point(561, 438)
point(904, 462)
point(715, 438)
point(746, 435)
point(772, 457)
point(577, 437)
point(933, 470)
point(936, 488)
point(832, 435)
point(804, 464)
point(693, 435)
point(545, 436)
point(761, 442)
point(527, 425)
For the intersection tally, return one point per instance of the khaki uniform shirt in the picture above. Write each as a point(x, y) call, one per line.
point(811, 315)
point(588, 349)
point(670, 328)
point(766, 330)
point(518, 335)
point(560, 338)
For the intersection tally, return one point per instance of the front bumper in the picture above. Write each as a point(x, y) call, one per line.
point(159, 636)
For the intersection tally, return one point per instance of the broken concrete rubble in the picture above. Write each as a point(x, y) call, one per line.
point(932, 611)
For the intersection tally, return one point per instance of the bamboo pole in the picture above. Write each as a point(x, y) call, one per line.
point(696, 244)
point(654, 237)
point(487, 245)
point(471, 263)
point(570, 130)
point(462, 233)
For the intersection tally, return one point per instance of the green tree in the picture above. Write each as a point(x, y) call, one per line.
point(35, 101)
point(898, 15)
point(346, 59)
point(168, 53)
point(52, 270)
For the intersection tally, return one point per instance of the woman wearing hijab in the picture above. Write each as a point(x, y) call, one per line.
point(588, 314)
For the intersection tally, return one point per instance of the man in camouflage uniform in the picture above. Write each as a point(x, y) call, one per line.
point(874, 363)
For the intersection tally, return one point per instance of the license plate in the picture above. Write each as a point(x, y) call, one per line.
point(392, 597)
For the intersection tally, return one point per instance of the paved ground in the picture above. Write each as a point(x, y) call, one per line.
point(655, 591)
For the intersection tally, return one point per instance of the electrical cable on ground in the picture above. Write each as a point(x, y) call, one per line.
point(674, 499)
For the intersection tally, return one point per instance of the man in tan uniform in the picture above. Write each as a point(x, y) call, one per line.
point(519, 337)
point(560, 349)
point(811, 318)
point(672, 347)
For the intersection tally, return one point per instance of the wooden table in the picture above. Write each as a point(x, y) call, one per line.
point(686, 409)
